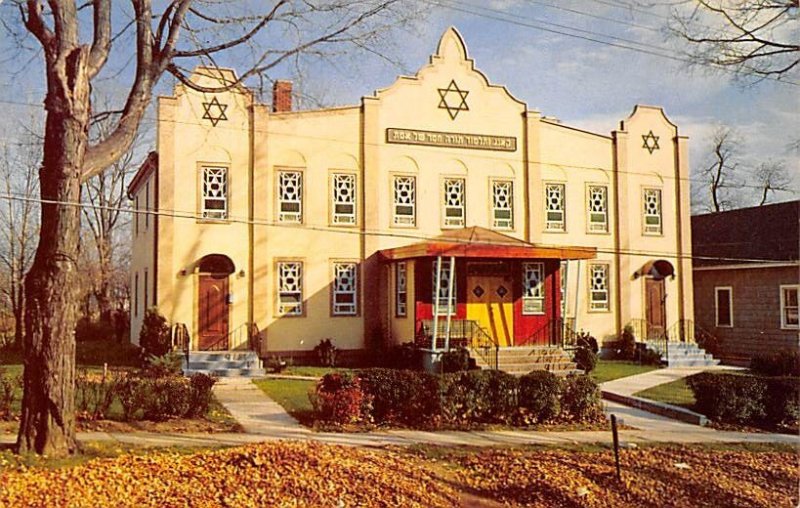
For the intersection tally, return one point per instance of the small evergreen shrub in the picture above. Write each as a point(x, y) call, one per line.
point(165, 398)
point(580, 397)
point(338, 398)
point(626, 345)
point(585, 339)
point(326, 353)
point(87, 330)
point(154, 337)
point(94, 394)
point(403, 356)
point(131, 397)
point(727, 397)
point(539, 394)
point(168, 365)
point(455, 360)
point(783, 400)
point(200, 396)
point(402, 396)
point(648, 356)
point(479, 396)
point(585, 358)
point(779, 363)
point(7, 386)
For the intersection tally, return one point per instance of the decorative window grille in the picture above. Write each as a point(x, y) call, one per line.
point(401, 289)
point(503, 205)
point(652, 211)
point(405, 199)
point(290, 288)
point(215, 193)
point(598, 287)
point(136, 294)
point(345, 289)
point(533, 288)
point(454, 202)
point(344, 198)
point(598, 208)
point(724, 306)
point(290, 196)
point(789, 307)
point(445, 307)
point(554, 207)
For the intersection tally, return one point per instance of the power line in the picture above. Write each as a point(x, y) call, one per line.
point(177, 214)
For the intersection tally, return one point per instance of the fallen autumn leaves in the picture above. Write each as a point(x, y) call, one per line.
point(311, 474)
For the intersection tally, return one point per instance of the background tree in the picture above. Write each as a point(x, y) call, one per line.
point(76, 42)
point(772, 177)
point(719, 173)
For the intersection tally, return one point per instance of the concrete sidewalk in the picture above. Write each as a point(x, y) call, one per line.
point(636, 383)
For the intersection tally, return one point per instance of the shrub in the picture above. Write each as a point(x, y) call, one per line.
point(326, 353)
point(154, 337)
point(165, 398)
point(406, 396)
point(783, 400)
point(455, 360)
point(479, 396)
point(338, 398)
point(131, 397)
point(580, 397)
point(7, 386)
point(168, 365)
point(585, 339)
point(648, 356)
point(87, 330)
point(709, 343)
point(626, 345)
point(403, 356)
point(539, 394)
point(779, 363)
point(200, 395)
point(94, 394)
point(729, 397)
point(585, 358)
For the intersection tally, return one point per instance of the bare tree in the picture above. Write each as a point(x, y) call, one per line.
point(751, 37)
point(772, 177)
point(720, 171)
point(185, 33)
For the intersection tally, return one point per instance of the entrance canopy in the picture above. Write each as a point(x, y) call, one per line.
point(656, 268)
point(478, 242)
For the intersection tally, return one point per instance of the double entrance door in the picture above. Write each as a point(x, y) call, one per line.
point(490, 299)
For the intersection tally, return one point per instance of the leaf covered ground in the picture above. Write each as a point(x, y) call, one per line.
point(311, 474)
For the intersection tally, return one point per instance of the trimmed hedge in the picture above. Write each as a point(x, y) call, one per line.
point(401, 396)
point(481, 396)
point(540, 394)
point(780, 363)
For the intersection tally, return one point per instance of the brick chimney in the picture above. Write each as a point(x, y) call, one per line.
point(281, 96)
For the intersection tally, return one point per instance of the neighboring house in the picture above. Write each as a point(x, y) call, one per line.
point(746, 277)
point(340, 223)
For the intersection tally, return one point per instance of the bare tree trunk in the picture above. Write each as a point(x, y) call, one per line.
point(47, 424)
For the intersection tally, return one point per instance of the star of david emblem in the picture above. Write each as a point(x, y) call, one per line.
point(453, 99)
point(650, 142)
point(214, 111)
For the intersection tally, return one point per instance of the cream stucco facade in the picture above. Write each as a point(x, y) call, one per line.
point(447, 123)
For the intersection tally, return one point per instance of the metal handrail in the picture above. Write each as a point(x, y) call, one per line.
point(181, 341)
point(254, 338)
point(463, 333)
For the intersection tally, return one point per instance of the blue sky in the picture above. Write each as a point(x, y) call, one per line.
point(584, 83)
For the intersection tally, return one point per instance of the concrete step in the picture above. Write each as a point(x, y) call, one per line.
point(692, 363)
point(257, 372)
point(214, 356)
point(221, 364)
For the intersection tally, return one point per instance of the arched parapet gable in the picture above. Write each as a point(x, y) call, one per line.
point(648, 114)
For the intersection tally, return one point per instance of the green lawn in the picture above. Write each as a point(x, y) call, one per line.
point(292, 394)
point(676, 393)
point(608, 370)
point(308, 370)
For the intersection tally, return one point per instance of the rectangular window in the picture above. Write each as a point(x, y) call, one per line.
point(136, 294)
point(789, 307)
point(554, 206)
point(453, 202)
point(343, 199)
point(345, 289)
point(724, 306)
point(136, 216)
point(290, 196)
point(290, 288)
point(598, 287)
point(146, 290)
point(598, 208)
point(652, 211)
point(401, 289)
point(405, 189)
point(533, 288)
point(445, 307)
point(503, 205)
point(215, 193)
point(147, 206)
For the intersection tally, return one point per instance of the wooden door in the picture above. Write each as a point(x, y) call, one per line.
point(213, 316)
point(655, 297)
point(490, 303)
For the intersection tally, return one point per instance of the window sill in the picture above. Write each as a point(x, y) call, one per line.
point(212, 221)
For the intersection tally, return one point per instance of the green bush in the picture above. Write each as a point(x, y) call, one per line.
point(585, 358)
point(783, 400)
point(7, 386)
point(131, 397)
point(200, 396)
point(87, 330)
point(648, 356)
point(455, 360)
point(726, 397)
point(479, 396)
point(779, 363)
point(626, 345)
point(95, 393)
point(539, 394)
point(168, 365)
point(326, 353)
point(165, 398)
point(338, 398)
point(403, 396)
point(580, 397)
point(154, 337)
point(585, 339)
point(403, 356)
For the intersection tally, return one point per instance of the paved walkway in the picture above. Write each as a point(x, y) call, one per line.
point(636, 383)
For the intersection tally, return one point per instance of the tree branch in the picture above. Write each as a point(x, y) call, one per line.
point(101, 44)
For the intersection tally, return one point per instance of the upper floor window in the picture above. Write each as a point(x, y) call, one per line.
point(290, 196)
point(445, 304)
point(401, 289)
point(343, 187)
point(136, 216)
point(290, 288)
point(789, 307)
point(146, 205)
point(502, 204)
point(453, 198)
point(554, 206)
point(598, 208)
point(215, 193)
point(652, 211)
point(724, 306)
point(405, 200)
point(533, 288)
point(136, 294)
point(598, 287)
point(345, 289)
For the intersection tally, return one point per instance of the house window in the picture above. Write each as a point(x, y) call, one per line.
point(554, 207)
point(598, 287)
point(789, 307)
point(215, 193)
point(146, 290)
point(401, 289)
point(502, 205)
point(136, 294)
point(724, 306)
point(136, 216)
point(290, 196)
point(598, 208)
point(290, 288)
point(343, 187)
point(445, 306)
point(405, 200)
point(147, 206)
point(533, 288)
point(345, 289)
point(652, 211)
point(453, 201)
